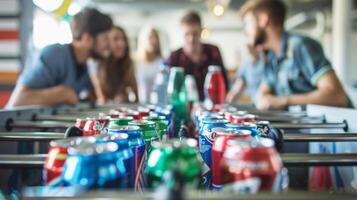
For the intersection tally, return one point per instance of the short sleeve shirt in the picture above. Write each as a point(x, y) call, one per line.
point(298, 67)
point(56, 65)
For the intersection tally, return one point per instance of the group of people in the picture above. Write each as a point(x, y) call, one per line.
point(285, 69)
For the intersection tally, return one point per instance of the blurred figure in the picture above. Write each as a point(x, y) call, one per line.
point(148, 62)
point(59, 74)
point(114, 77)
point(296, 69)
point(195, 57)
point(249, 76)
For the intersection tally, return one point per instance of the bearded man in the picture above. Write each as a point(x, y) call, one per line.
point(296, 71)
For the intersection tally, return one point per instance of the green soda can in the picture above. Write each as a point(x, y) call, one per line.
point(174, 156)
point(120, 121)
point(148, 130)
point(161, 124)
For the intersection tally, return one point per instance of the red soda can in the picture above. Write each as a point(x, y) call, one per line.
point(254, 165)
point(215, 89)
point(55, 160)
point(222, 135)
point(93, 127)
point(143, 112)
point(229, 114)
point(57, 156)
point(80, 123)
point(238, 118)
point(133, 113)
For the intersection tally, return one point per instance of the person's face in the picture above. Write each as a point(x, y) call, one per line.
point(255, 34)
point(192, 35)
point(153, 43)
point(100, 47)
point(117, 43)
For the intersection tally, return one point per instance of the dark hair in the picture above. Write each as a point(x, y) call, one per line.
point(191, 17)
point(116, 75)
point(275, 9)
point(91, 21)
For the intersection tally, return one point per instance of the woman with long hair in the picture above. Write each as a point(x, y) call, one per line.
point(113, 78)
point(148, 61)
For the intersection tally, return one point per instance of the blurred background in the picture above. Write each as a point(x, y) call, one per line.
point(26, 26)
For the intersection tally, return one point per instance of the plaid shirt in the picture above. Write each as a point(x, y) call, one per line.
point(211, 56)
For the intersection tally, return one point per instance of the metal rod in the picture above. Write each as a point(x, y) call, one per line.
point(291, 118)
point(37, 125)
point(30, 136)
point(58, 118)
point(342, 125)
point(289, 159)
point(302, 159)
point(320, 137)
point(278, 113)
point(22, 160)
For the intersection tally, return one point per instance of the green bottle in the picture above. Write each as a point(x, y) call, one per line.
point(175, 154)
point(177, 95)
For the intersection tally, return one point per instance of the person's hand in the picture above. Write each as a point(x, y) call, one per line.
point(69, 95)
point(229, 97)
point(268, 102)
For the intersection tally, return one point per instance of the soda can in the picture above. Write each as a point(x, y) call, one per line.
point(137, 144)
point(125, 153)
point(143, 112)
point(133, 113)
point(148, 131)
point(57, 156)
point(238, 119)
point(161, 124)
point(219, 146)
point(94, 166)
point(253, 165)
point(246, 126)
point(176, 157)
point(80, 123)
point(169, 116)
point(206, 139)
point(263, 128)
point(205, 116)
point(229, 114)
point(94, 126)
point(120, 121)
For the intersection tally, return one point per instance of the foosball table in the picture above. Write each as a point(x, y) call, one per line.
point(319, 150)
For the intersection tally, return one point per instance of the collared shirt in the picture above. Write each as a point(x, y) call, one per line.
point(56, 65)
point(211, 56)
point(298, 67)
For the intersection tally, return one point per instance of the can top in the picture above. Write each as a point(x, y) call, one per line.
point(93, 149)
point(215, 121)
point(142, 123)
point(261, 143)
point(111, 137)
point(220, 131)
point(242, 125)
point(175, 143)
point(65, 143)
point(124, 129)
point(154, 118)
point(121, 118)
point(263, 123)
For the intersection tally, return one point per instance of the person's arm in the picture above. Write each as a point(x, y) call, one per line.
point(329, 92)
point(23, 95)
point(236, 91)
point(93, 68)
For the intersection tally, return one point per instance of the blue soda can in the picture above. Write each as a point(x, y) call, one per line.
point(137, 144)
point(205, 116)
point(94, 166)
point(205, 142)
point(246, 126)
point(125, 153)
